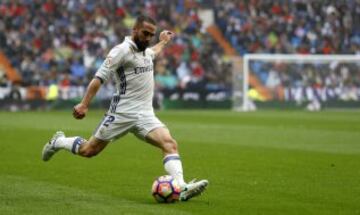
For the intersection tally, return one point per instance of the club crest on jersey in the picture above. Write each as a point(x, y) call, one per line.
point(108, 61)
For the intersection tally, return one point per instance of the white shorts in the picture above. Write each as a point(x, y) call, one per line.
point(114, 125)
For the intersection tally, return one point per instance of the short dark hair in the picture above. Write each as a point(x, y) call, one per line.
point(140, 19)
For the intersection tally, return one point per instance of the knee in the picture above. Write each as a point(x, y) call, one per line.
point(170, 145)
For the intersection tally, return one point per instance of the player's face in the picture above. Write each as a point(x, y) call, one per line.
point(143, 35)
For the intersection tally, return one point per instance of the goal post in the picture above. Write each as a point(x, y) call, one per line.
point(297, 80)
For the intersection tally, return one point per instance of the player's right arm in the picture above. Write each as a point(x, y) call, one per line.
point(81, 109)
point(109, 65)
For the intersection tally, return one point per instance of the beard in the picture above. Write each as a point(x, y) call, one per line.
point(141, 45)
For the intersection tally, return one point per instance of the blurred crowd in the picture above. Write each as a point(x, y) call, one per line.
point(63, 42)
point(310, 81)
point(297, 27)
point(290, 26)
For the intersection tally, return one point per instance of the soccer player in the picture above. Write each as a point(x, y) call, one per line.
point(131, 66)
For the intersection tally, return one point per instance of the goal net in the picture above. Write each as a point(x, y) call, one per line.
point(311, 82)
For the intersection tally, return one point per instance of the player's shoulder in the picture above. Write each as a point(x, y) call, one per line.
point(120, 49)
point(150, 52)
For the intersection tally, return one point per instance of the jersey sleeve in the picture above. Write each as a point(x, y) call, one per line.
point(113, 60)
point(151, 53)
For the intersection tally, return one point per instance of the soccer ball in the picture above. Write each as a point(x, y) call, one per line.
point(166, 189)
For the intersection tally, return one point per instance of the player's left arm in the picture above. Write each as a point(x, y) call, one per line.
point(165, 37)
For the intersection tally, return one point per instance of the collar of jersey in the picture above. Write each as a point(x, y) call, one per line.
point(132, 43)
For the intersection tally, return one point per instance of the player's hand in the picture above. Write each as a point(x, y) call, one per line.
point(166, 36)
point(80, 111)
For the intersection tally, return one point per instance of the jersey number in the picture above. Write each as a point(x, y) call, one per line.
point(108, 120)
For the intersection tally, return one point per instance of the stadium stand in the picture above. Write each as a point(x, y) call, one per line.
point(66, 41)
point(284, 26)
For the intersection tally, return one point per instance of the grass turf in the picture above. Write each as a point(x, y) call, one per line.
point(257, 163)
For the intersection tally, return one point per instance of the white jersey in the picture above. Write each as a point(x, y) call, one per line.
point(133, 73)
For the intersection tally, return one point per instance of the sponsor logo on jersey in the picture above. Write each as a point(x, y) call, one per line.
point(139, 70)
point(146, 61)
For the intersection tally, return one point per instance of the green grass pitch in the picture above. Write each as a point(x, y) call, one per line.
point(267, 162)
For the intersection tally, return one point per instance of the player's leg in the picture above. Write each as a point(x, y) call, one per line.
point(76, 145)
point(110, 127)
point(162, 138)
point(92, 147)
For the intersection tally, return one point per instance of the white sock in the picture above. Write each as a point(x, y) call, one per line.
point(71, 144)
point(173, 167)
